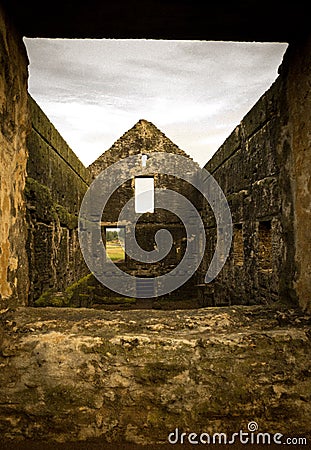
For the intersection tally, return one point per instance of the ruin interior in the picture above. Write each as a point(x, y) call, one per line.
point(211, 356)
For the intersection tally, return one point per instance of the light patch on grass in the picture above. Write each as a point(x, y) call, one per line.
point(115, 251)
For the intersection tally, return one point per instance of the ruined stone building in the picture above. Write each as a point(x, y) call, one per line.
point(144, 139)
point(55, 185)
point(253, 169)
point(78, 374)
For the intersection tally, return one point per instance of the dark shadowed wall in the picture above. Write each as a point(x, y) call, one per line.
point(254, 169)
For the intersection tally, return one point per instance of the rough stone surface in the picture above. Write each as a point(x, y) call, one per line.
point(299, 100)
point(144, 138)
point(253, 167)
point(134, 376)
point(269, 151)
point(55, 186)
point(14, 126)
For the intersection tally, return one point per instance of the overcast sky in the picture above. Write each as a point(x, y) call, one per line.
point(196, 92)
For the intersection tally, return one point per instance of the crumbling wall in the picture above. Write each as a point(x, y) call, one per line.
point(298, 89)
point(253, 167)
point(144, 139)
point(55, 186)
point(14, 126)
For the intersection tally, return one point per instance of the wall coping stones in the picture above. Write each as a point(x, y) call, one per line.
point(43, 126)
point(262, 112)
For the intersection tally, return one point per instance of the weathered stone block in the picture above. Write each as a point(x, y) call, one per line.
point(14, 126)
point(106, 371)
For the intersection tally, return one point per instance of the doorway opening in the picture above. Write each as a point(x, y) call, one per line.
point(115, 244)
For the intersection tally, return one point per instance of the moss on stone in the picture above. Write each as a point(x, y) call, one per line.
point(51, 298)
point(102, 300)
point(80, 293)
point(40, 198)
point(78, 285)
point(34, 188)
point(86, 292)
point(158, 373)
point(65, 218)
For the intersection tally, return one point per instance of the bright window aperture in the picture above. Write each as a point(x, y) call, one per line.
point(144, 194)
point(115, 243)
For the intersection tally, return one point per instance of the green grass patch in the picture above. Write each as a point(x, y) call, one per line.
point(50, 298)
point(101, 300)
point(115, 252)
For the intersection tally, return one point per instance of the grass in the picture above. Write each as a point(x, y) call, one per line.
point(102, 301)
point(115, 251)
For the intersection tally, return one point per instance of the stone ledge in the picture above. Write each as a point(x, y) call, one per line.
point(134, 376)
point(45, 131)
point(213, 319)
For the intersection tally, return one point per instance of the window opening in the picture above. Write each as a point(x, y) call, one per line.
point(238, 245)
point(264, 246)
point(144, 160)
point(144, 194)
point(115, 243)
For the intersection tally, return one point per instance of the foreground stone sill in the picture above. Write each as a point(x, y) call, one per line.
point(196, 322)
point(134, 376)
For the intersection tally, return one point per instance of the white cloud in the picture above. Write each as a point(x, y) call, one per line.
point(196, 92)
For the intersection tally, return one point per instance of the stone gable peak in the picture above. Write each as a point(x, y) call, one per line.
point(143, 138)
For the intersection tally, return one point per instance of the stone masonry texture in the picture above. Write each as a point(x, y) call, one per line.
point(14, 126)
point(144, 138)
point(253, 168)
point(134, 376)
point(56, 183)
point(76, 375)
point(264, 170)
point(297, 69)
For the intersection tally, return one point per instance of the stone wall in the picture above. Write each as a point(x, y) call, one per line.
point(136, 376)
point(297, 72)
point(14, 126)
point(74, 375)
point(56, 183)
point(144, 138)
point(253, 167)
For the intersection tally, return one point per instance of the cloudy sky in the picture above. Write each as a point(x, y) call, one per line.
point(196, 92)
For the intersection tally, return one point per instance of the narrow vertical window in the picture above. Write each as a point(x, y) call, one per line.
point(144, 160)
point(265, 246)
point(238, 245)
point(144, 194)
